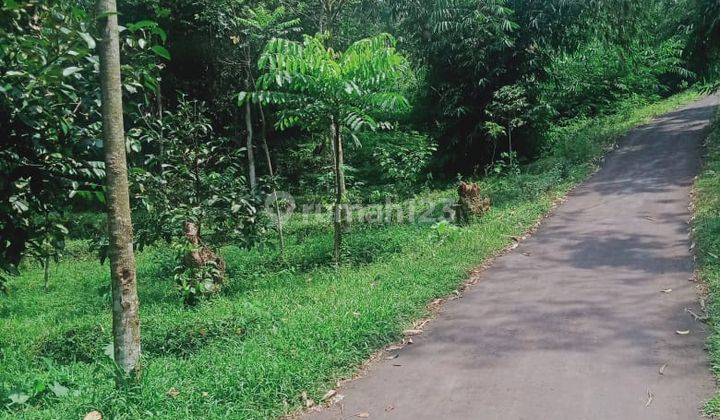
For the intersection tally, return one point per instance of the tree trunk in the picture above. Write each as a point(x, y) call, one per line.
point(46, 272)
point(160, 111)
point(126, 318)
point(251, 154)
point(510, 140)
point(339, 215)
point(266, 149)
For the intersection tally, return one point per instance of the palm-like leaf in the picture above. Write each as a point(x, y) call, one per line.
point(312, 83)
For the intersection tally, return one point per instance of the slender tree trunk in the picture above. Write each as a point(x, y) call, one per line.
point(125, 310)
point(252, 178)
point(263, 134)
point(510, 140)
point(266, 149)
point(339, 215)
point(46, 272)
point(160, 111)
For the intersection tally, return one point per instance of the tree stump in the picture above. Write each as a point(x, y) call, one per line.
point(471, 203)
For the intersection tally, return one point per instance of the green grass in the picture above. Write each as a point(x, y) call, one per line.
point(280, 328)
point(706, 231)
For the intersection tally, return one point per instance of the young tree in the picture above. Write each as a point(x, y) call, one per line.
point(509, 108)
point(343, 93)
point(257, 27)
point(193, 196)
point(126, 318)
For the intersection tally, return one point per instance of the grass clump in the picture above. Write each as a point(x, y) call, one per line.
point(283, 326)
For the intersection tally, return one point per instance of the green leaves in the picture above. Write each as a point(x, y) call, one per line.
point(68, 71)
point(51, 126)
point(11, 4)
point(89, 40)
point(161, 51)
point(312, 82)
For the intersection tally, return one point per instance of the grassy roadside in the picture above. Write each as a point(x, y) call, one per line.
point(706, 231)
point(281, 328)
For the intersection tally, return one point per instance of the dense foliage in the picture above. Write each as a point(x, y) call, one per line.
point(49, 106)
point(484, 79)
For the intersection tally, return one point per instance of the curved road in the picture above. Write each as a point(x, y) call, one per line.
point(572, 324)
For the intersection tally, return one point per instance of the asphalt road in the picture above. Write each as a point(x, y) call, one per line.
point(573, 324)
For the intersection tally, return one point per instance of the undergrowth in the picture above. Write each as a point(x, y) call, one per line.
point(706, 231)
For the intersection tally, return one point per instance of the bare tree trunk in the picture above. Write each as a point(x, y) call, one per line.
point(126, 318)
point(263, 135)
point(339, 215)
point(252, 178)
point(510, 140)
point(266, 149)
point(46, 272)
point(160, 111)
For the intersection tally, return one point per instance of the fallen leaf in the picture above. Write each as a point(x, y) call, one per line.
point(19, 398)
point(363, 415)
point(411, 333)
point(205, 394)
point(650, 399)
point(666, 291)
point(394, 356)
point(329, 394)
point(394, 347)
point(59, 390)
point(662, 369)
point(109, 351)
point(410, 341)
point(684, 332)
point(527, 254)
point(389, 408)
point(307, 402)
point(436, 302)
point(173, 392)
point(93, 415)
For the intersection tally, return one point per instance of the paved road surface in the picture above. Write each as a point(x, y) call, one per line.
point(572, 324)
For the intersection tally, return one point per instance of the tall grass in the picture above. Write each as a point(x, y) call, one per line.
point(706, 231)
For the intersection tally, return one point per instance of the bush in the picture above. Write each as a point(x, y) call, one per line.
point(592, 79)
